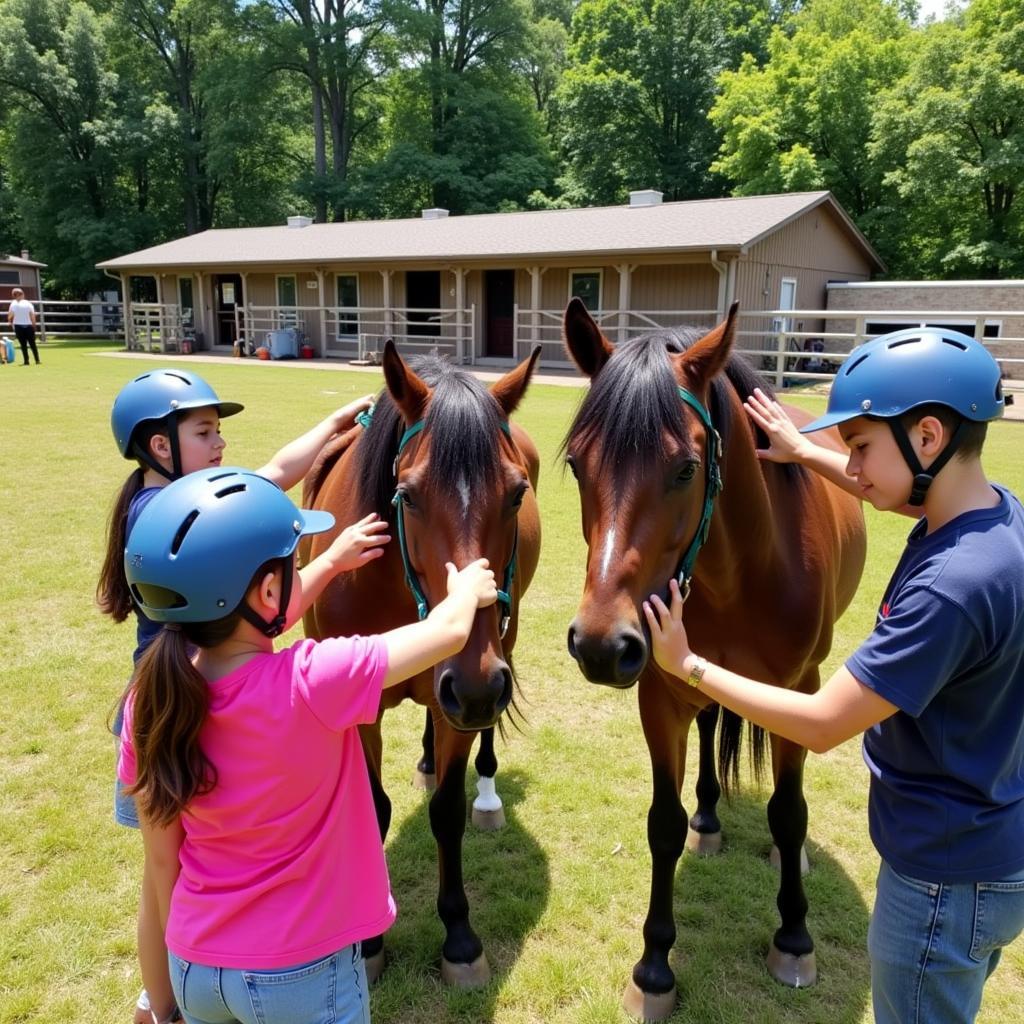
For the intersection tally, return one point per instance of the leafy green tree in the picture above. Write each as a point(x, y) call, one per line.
point(952, 132)
point(801, 120)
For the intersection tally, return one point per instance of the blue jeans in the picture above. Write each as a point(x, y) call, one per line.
point(934, 945)
point(328, 991)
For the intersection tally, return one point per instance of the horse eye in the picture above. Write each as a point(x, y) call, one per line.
point(405, 499)
point(517, 500)
point(571, 463)
point(687, 473)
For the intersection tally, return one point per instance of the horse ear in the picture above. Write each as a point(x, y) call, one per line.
point(709, 355)
point(509, 390)
point(408, 390)
point(589, 348)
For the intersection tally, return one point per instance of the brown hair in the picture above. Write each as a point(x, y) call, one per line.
point(112, 594)
point(171, 700)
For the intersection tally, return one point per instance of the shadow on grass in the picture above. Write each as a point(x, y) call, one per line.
point(725, 913)
point(507, 883)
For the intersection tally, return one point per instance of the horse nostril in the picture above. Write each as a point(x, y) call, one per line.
point(504, 675)
point(446, 697)
point(572, 643)
point(632, 654)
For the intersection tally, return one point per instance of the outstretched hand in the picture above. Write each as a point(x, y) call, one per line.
point(785, 442)
point(345, 417)
point(475, 580)
point(669, 642)
point(360, 543)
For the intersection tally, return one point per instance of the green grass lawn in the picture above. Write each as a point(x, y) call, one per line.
point(558, 896)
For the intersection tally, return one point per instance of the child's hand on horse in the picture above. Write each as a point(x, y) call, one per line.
point(345, 417)
point(359, 543)
point(669, 642)
point(476, 580)
point(785, 442)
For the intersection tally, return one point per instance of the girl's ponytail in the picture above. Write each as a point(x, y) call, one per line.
point(112, 594)
point(170, 701)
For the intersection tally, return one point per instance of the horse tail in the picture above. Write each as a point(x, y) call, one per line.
point(324, 463)
point(730, 741)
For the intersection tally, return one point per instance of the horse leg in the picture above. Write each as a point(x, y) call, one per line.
point(791, 957)
point(488, 814)
point(650, 994)
point(463, 962)
point(425, 776)
point(373, 949)
point(704, 836)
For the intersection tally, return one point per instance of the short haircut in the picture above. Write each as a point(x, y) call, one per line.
point(972, 440)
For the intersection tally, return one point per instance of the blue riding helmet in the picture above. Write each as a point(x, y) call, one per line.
point(907, 370)
point(897, 372)
point(154, 396)
point(195, 547)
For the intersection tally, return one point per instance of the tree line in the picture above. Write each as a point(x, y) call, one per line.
point(124, 123)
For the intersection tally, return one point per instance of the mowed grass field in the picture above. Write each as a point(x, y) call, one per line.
point(558, 896)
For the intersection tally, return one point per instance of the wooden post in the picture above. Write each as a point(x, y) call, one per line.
point(625, 281)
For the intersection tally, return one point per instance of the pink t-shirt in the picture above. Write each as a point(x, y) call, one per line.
point(282, 861)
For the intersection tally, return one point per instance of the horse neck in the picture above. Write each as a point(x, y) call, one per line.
point(742, 537)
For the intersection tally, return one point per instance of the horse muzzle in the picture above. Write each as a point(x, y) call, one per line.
point(613, 658)
point(472, 705)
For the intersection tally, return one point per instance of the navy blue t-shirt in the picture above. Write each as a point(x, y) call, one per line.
point(947, 770)
point(146, 629)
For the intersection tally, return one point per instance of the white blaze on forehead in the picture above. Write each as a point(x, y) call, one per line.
point(609, 548)
point(464, 495)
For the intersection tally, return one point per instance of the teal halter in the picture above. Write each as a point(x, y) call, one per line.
point(712, 488)
point(411, 580)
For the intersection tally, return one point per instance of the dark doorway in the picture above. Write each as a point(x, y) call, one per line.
point(423, 292)
point(499, 299)
point(227, 295)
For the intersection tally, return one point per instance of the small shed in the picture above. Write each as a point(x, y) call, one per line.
point(20, 272)
point(487, 287)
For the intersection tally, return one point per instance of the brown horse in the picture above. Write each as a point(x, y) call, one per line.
point(661, 431)
point(458, 482)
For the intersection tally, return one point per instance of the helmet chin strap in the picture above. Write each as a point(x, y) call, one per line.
point(275, 627)
point(923, 478)
point(172, 436)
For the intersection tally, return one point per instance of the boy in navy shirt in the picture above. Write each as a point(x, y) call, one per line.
point(938, 686)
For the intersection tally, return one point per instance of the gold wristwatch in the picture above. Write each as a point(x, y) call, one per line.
point(697, 670)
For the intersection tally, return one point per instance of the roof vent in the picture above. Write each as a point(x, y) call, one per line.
point(24, 254)
point(299, 222)
point(645, 197)
point(435, 213)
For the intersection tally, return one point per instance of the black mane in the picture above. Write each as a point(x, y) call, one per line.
point(633, 403)
point(462, 423)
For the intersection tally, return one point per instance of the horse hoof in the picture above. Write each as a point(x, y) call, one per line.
point(374, 966)
point(794, 971)
point(704, 844)
point(426, 781)
point(488, 821)
point(474, 975)
point(648, 1006)
point(775, 859)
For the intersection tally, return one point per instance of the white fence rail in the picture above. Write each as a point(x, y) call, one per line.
point(787, 345)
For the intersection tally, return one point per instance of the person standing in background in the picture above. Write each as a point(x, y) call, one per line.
point(21, 314)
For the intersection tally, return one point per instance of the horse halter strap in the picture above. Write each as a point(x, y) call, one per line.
point(712, 488)
point(411, 579)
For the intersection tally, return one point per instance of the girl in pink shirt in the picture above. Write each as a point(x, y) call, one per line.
point(256, 811)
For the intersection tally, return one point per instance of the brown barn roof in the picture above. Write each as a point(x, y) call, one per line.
point(697, 225)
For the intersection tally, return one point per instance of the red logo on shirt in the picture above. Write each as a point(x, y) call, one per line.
point(885, 610)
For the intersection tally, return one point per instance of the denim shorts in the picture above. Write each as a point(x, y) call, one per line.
point(933, 945)
point(328, 991)
point(125, 811)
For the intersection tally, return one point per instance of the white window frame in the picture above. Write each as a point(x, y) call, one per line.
point(954, 321)
point(787, 321)
point(287, 316)
point(573, 271)
point(355, 316)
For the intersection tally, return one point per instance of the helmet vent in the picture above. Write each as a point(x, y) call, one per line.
point(905, 341)
point(178, 376)
point(233, 489)
point(149, 595)
point(853, 366)
point(179, 537)
point(221, 476)
point(955, 344)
